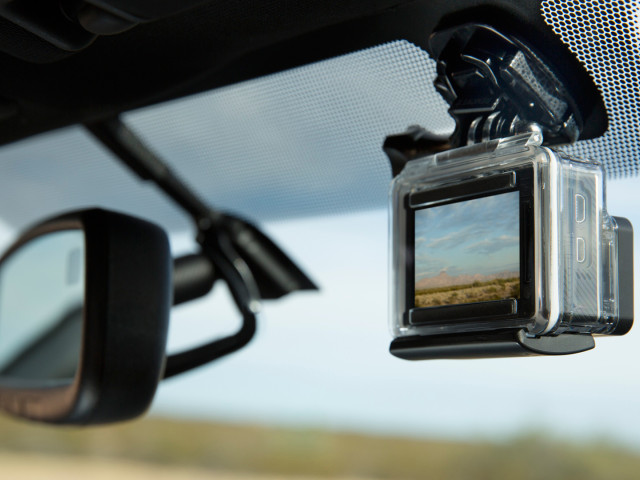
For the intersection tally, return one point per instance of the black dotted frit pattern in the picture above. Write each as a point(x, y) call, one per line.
point(605, 37)
point(306, 141)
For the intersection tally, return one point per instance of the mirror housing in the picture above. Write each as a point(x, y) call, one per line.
point(127, 300)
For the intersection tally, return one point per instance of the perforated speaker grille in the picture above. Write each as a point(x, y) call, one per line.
point(604, 35)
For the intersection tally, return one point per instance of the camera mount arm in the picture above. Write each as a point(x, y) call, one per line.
point(496, 86)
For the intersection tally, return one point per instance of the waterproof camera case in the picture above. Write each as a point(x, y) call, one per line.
point(505, 248)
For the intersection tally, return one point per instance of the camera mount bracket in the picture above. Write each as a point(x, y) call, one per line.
point(496, 86)
point(500, 343)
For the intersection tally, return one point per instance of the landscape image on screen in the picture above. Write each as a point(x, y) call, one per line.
point(468, 251)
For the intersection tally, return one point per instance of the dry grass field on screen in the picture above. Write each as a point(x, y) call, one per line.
point(496, 289)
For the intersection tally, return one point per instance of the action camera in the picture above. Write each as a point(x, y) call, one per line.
point(505, 248)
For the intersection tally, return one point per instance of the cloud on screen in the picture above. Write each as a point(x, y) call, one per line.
point(463, 237)
point(450, 240)
point(493, 245)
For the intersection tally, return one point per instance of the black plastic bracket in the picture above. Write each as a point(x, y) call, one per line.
point(414, 143)
point(496, 86)
point(47, 21)
point(502, 343)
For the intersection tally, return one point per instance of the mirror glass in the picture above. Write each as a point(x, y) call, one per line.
point(42, 287)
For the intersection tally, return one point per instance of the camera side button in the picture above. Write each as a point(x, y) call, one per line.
point(580, 208)
point(581, 250)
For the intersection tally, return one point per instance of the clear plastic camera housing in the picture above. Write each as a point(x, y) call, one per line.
point(503, 234)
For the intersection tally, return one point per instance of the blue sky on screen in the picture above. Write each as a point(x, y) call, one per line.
point(479, 236)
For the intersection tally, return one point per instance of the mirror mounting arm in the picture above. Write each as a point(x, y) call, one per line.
point(145, 163)
point(251, 264)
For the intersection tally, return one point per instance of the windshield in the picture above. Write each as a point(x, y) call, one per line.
point(299, 153)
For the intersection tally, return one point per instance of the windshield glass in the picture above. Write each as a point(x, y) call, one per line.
point(299, 153)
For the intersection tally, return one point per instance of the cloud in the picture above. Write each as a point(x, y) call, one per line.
point(451, 240)
point(428, 266)
point(500, 209)
point(453, 225)
point(493, 245)
point(452, 270)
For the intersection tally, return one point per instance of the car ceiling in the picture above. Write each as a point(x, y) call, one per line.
point(217, 43)
point(297, 143)
point(301, 141)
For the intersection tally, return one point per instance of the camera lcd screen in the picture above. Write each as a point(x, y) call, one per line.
point(467, 251)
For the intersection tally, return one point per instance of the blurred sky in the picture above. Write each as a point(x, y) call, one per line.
point(307, 142)
point(321, 359)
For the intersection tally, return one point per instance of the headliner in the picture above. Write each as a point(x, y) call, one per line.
point(219, 43)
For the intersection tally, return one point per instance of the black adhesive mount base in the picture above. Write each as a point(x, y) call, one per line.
point(501, 343)
point(496, 86)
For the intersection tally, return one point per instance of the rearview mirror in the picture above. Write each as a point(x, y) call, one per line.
point(84, 309)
